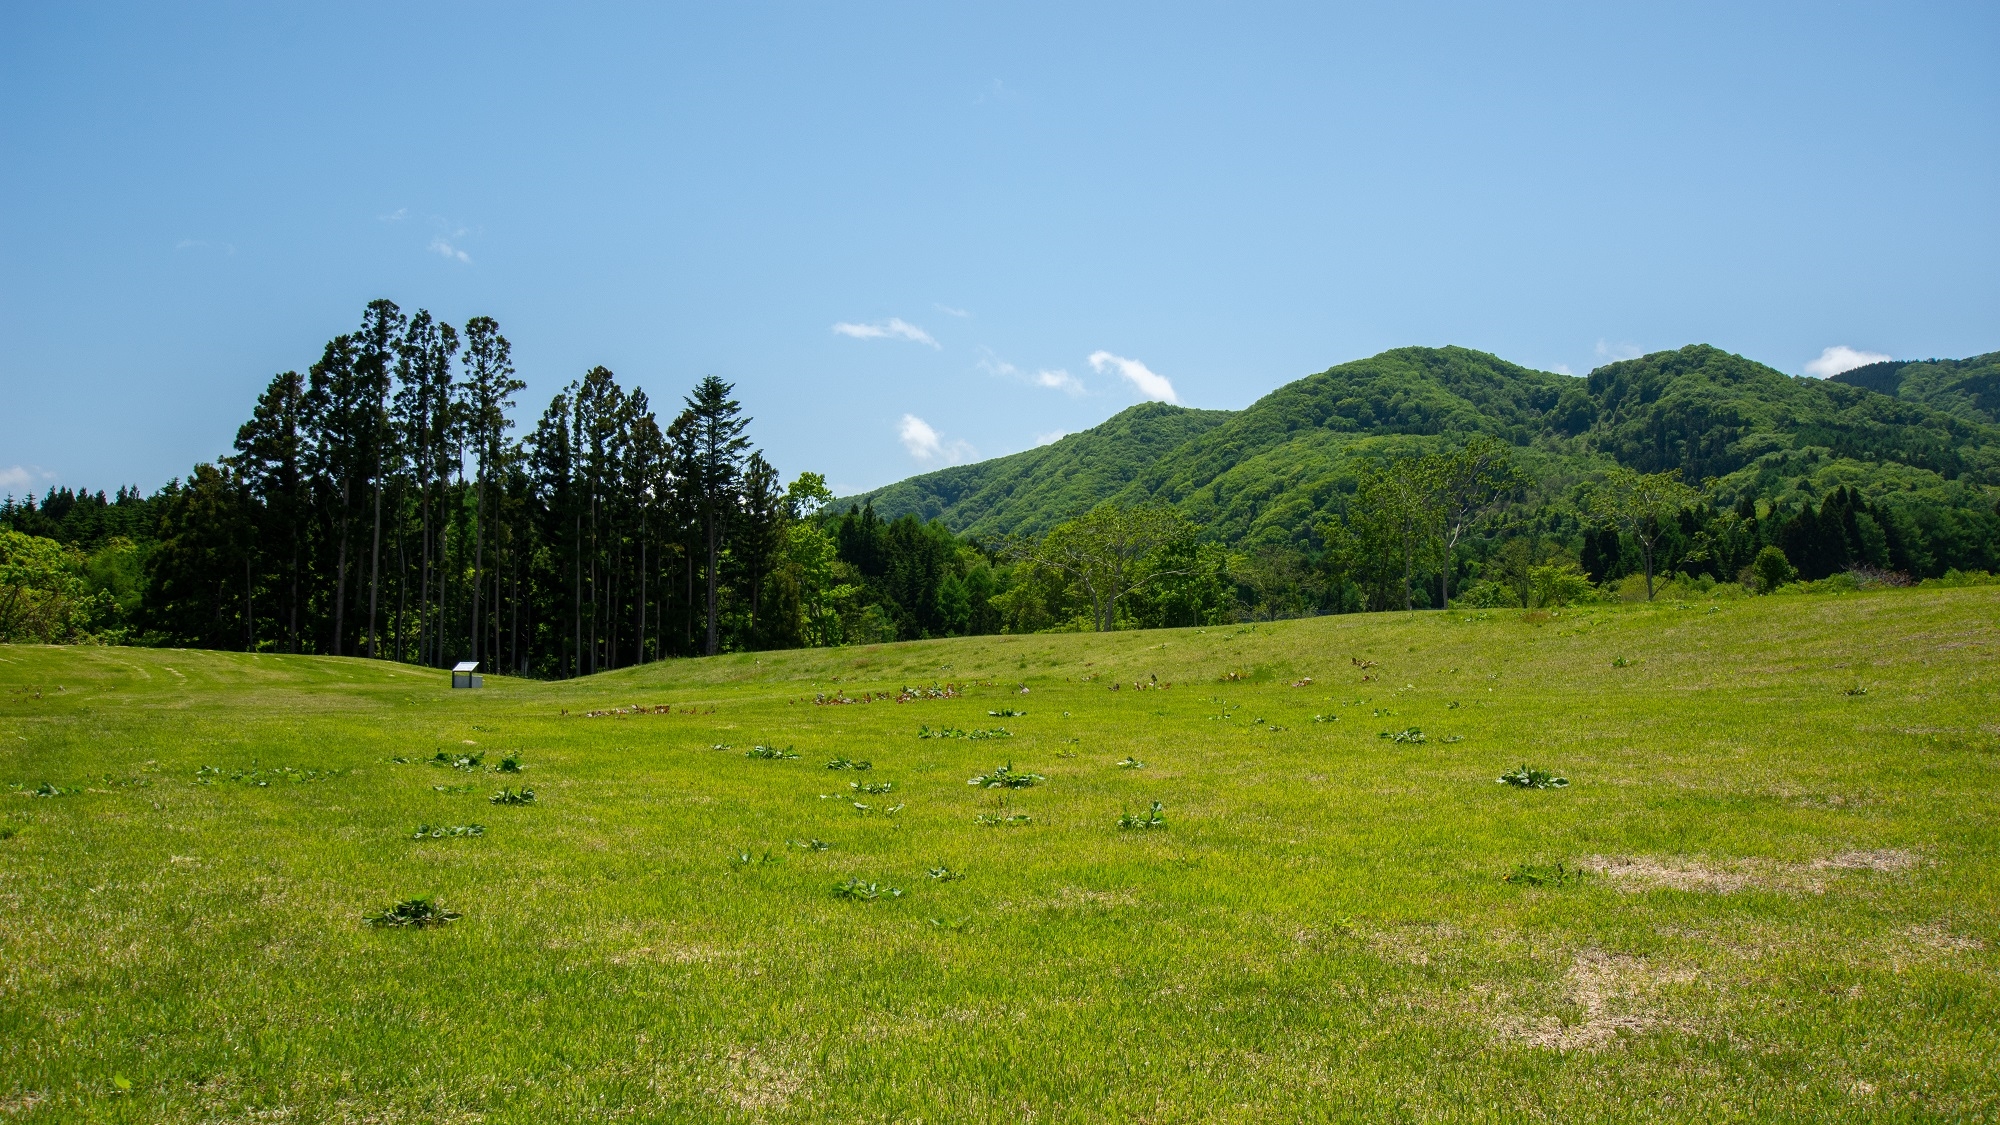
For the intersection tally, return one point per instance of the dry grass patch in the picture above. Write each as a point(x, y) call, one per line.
point(1641, 873)
point(1611, 994)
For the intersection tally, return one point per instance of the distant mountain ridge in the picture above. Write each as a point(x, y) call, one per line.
point(1262, 473)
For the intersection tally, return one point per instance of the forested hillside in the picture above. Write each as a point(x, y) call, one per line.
point(1967, 388)
point(380, 504)
point(1260, 475)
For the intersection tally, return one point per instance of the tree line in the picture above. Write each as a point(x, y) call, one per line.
point(383, 505)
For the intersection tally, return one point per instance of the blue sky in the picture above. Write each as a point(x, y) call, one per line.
point(919, 234)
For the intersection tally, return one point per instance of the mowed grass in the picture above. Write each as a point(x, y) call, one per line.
point(1784, 809)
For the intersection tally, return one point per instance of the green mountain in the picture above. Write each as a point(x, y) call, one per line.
point(1261, 474)
point(1966, 388)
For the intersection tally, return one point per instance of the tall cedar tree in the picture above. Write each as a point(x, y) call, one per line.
point(716, 425)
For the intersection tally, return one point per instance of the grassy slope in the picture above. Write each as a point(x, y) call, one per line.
point(1321, 933)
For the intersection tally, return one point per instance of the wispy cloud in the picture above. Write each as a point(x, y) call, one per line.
point(1052, 437)
point(1053, 378)
point(1149, 382)
point(928, 446)
point(895, 328)
point(1060, 380)
point(1839, 358)
point(1616, 352)
point(996, 91)
point(441, 247)
point(949, 311)
point(21, 476)
point(396, 216)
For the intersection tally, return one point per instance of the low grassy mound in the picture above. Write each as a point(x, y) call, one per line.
point(1307, 870)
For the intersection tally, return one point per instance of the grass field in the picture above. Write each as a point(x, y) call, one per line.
point(1783, 809)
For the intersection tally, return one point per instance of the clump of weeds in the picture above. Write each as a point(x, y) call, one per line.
point(1004, 713)
point(262, 776)
point(509, 764)
point(442, 832)
point(871, 786)
point(458, 761)
point(1857, 689)
point(1411, 734)
point(451, 788)
point(413, 913)
point(745, 859)
point(944, 874)
point(867, 809)
point(1006, 777)
point(1326, 718)
point(1452, 738)
point(1621, 662)
point(854, 890)
point(1543, 875)
point(45, 789)
point(771, 753)
point(955, 925)
point(1141, 822)
point(523, 796)
point(1003, 820)
point(1531, 777)
point(1131, 764)
point(722, 746)
point(813, 845)
point(846, 764)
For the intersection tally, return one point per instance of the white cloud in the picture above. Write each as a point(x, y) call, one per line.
point(1060, 380)
point(949, 311)
point(1053, 378)
point(1618, 351)
point(396, 216)
point(895, 328)
point(1839, 358)
point(20, 476)
point(440, 246)
point(927, 446)
point(1150, 384)
point(1562, 369)
point(1052, 437)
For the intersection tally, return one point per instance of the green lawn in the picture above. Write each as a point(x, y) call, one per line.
point(1788, 909)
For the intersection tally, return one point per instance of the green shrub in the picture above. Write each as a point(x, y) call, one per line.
point(1771, 569)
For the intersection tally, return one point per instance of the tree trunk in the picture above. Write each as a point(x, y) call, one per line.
point(714, 548)
point(374, 570)
point(478, 558)
point(340, 581)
